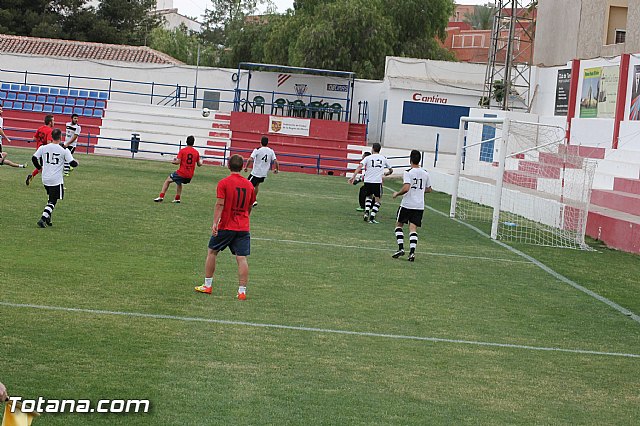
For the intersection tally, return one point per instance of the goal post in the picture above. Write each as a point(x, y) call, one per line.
point(523, 179)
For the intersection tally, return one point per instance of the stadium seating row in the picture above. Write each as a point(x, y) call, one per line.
point(54, 109)
point(54, 91)
point(48, 99)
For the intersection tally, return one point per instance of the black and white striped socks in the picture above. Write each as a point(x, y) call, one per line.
point(413, 242)
point(400, 238)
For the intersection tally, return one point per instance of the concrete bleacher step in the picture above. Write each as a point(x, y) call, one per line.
point(583, 151)
point(521, 178)
point(558, 160)
point(152, 118)
point(540, 169)
point(616, 200)
point(619, 168)
point(616, 229)
point(631, 186)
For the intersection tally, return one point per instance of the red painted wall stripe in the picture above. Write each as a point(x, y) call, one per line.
point(621, 101)
point(573, 95)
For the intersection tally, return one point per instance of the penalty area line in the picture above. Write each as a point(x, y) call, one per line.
point(318, 330)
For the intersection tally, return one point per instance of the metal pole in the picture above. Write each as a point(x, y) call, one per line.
point(435, 159)
point(502, 155)
point(456, 176)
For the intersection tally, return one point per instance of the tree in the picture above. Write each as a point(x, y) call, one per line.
point(182, 44)
point(482, 17)
point(130, 21)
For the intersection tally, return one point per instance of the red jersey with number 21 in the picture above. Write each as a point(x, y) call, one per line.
point(238, 196)
point(189, 157)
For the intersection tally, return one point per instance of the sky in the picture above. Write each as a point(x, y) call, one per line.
point(195, 8)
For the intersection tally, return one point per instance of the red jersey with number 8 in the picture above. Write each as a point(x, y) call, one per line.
point(189, 157)
point(238, 196)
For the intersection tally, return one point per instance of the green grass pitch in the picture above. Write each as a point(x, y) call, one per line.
point(334, 330)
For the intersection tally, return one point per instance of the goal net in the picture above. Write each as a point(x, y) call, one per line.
point(523, 179)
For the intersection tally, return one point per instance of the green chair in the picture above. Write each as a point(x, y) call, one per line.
point(278, 104)
point(335, 109)
point(314, 109)
point(298, 108)
point(258, 102)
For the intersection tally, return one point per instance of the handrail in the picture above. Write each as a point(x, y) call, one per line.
point(170, 94)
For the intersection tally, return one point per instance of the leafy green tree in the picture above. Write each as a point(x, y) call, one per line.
point(349, 35)
point(482, 17)
point(130, 21)
point(182, 44)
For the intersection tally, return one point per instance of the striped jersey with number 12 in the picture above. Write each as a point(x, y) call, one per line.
point(418, 180)
point(374, 166)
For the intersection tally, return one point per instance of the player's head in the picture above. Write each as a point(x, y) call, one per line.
point(74, 118)
point(56, 134)
point(376, 148)
point(264, 141)
point(415, 157)
point(48, 120)
point(236, 162)
point(191, 140)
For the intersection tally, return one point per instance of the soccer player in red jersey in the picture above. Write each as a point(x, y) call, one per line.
point(231, 226)
point(188, 157)
point(42, 137)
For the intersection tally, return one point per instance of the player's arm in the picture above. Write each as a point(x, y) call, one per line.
point(355, 173)
point(4, 135)
point(276, 166)
point(199, 162)
point(217, 214)
point(68, 158)
point(176, 159)
point(72, 140)
point(37, 162)
point(405, 188)
point(249, 163)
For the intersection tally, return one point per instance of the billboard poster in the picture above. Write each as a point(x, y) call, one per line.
point(563, 86)
point(634, 114)
point(608, 94)
point(590, 91)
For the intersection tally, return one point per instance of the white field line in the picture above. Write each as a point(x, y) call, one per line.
point(546, 269)
point(462, 256)
point(316, 330)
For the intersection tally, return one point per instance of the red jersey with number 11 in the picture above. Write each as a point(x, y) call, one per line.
point(238, 196)
point(189, 157)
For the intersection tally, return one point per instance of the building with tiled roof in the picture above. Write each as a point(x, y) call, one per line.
point(83, 50)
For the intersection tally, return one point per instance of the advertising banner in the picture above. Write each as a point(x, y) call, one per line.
point(289, 126)
point(608, 95)
point(563, 86)
point(634, 114)
point(590, 91)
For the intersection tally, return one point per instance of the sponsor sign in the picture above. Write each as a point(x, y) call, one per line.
point(563, 87)
point(433, 99)
point(289, 126)
point(337, 87)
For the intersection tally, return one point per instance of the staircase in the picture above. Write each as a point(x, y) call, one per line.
point(614, 212)
point(161, 129)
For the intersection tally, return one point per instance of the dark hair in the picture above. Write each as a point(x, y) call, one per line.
point(56, 134)
point(74, 115)
point(415, 157)
point(376, 147)
point(366, 154)
point(48, 119)
point(264, 141)
point(236, 162)
point(191, 140)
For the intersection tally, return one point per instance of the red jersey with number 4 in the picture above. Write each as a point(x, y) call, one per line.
point(238, 196)
point(43, 136)
point(189, 157)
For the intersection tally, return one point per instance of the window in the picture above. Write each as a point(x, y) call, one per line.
point(616, 25)
point(468, 40)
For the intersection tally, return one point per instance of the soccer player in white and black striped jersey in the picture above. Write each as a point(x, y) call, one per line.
point(415, 182)
point(71, 139)
point(373, 167)
point(49, 159)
